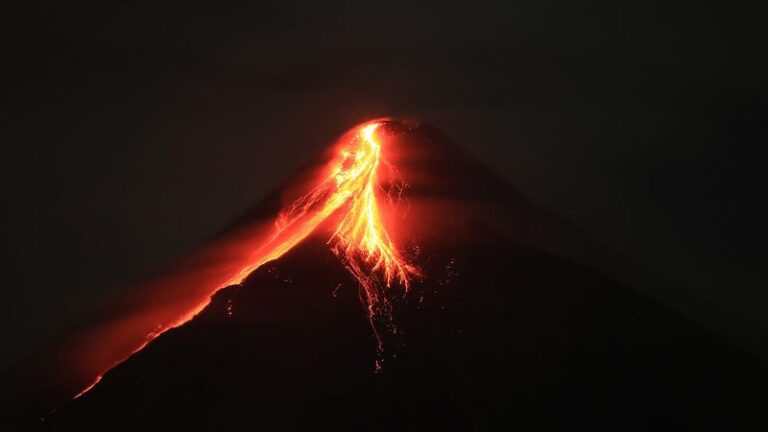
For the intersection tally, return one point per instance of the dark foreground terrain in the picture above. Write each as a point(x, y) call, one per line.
point(506, 335)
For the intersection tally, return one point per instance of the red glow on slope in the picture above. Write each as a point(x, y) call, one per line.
point(87, 389)
point(349, 189)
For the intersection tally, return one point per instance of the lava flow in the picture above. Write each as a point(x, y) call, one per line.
point(351, 183)
point(351, 191)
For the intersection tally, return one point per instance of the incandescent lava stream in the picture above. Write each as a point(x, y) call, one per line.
point(346, 196)
point(360, 238)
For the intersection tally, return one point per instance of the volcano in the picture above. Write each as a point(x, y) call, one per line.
point(440, 309)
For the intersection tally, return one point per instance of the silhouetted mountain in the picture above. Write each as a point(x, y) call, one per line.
point(497, 334)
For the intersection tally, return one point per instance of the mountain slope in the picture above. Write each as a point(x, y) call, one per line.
point(500, 333)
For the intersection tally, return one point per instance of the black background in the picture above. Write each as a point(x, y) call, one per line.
point(132, 132)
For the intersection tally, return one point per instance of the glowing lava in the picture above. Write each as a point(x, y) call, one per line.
point(352, 183)
point(350, 189)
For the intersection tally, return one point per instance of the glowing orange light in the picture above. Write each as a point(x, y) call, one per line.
point(361, 240)
point(361, 237)
point(361, 229)
point(353, 183)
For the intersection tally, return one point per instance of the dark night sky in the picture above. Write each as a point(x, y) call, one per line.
point(133, 132)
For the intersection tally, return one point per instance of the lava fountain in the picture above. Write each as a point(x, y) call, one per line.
point(350, 191)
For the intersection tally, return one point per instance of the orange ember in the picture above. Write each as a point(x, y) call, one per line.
point(350, 190)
